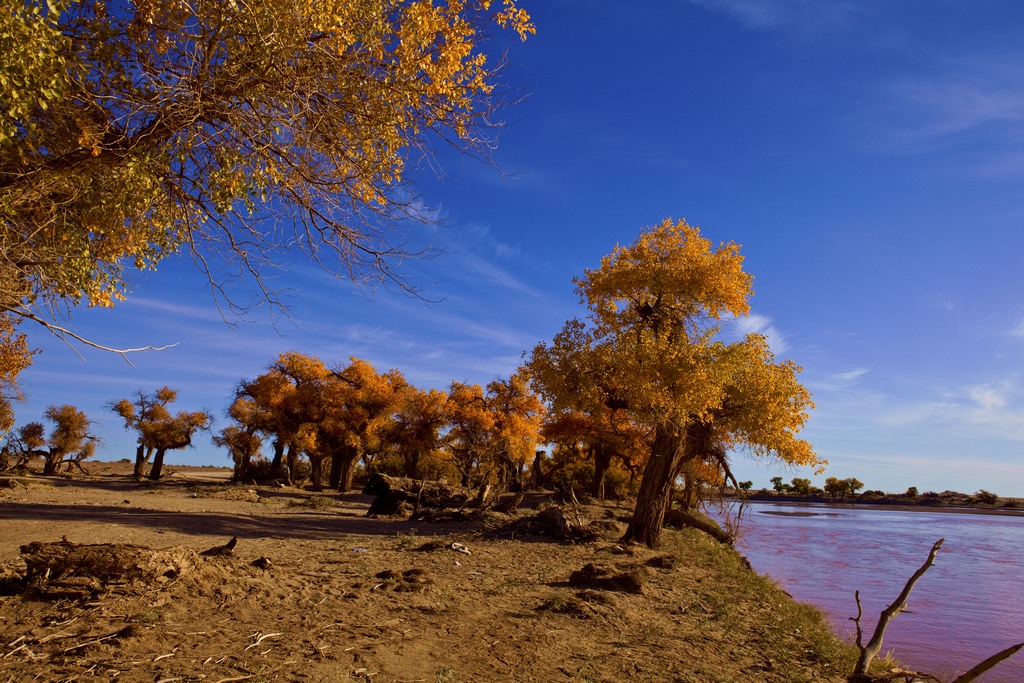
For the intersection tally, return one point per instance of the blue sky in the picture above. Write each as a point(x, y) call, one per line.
point(867, 155)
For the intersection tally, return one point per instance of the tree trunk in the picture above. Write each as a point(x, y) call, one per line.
point(277, 464)
point(343, 465)
point(291, 459)
point(602, 462)
point(158, 464)
point(537, 471)
point(667, 453)
point(334, 480)
point(691, 492)
point(243, 461)
point(412, 463)
point(348, 468)
point(683, 518)
point(509, 473)
point(316, 471)
point(50, 462)
point(141, 458)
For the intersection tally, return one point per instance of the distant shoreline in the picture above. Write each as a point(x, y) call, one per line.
point(883, 504)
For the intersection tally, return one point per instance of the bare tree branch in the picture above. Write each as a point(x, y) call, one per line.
point(869, 651)
point(989, 663)
point(64, 334)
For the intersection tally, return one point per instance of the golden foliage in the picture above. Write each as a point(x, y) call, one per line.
point(69, 441)
point(518, 415)
point(158, 429)
point(15, 356)
point(241, 130)
point(653, 347)
point(493, 433)
point(417, 430)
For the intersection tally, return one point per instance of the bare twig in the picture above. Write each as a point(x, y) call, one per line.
point(115, 634)
point(261, 637)
point(23, 646)
point(63, 334)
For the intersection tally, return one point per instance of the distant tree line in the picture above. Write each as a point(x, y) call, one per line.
point(839, 489)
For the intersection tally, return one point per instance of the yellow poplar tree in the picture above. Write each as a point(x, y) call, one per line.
point(417, 430)
point(656, 308)
point(243, 443)
point(518, 414)
point(468, 440)
point(70, 440)
point(269, 404)
point(359, 405)
point(141, 412)
point(576, 377)
point(159, 430)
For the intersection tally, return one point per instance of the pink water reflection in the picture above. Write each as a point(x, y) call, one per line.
point(967, 607)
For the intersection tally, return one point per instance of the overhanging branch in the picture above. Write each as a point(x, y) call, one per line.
point(65, 335)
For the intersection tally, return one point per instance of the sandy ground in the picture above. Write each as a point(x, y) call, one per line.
point(315, 591)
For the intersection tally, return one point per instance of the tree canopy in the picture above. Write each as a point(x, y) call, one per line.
point(159, 430)
point(653, 346)
point(70, 441)
point(351, 414)
point(240, 131)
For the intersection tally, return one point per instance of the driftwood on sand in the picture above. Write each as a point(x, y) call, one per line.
point(71, 570)
point(404, 497)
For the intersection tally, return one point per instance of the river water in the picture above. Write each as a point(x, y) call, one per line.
point(968, 606)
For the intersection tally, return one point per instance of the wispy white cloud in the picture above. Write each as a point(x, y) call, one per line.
point(761, 324)
point(485, 238)
point(850, 375)
point(474, 268)
point(204, 310)
point(804, 15)
point(1017, 331)
point(906, 414)
point(992, 410)
point(506, 251)
point(841, 380)
point(990, 397)
point(957, 101)
point(961, 98)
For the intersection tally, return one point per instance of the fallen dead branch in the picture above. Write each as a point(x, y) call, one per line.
point(56, 569)
point(681, 518)
point(870, 651)
point(260, 637)
point(221, 550)
point(398, 496)
point(987, 664)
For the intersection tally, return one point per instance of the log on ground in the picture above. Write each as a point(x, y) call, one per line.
point(65, 569)
point(397, 496)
